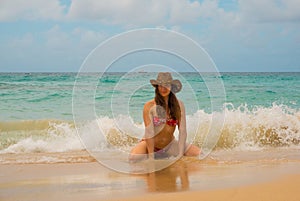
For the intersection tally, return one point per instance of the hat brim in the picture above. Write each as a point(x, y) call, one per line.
point(176, 85)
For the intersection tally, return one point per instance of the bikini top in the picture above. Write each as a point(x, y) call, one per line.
point(159, 121)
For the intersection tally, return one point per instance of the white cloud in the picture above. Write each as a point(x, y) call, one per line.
point(22, 42)
point(132, 13)
point(141, 12)
point(17, 47)
point(115, 12)
point(56, 39)
point(255, 23)
point(166, 13)
point(11, 10)
point(270, 10)
point(71, 43)
point(183, 11)
point(88, 38)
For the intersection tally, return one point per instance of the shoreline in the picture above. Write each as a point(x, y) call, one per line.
point(186, 179)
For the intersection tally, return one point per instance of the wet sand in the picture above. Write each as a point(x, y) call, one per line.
point(184, 180)
point(285, 188)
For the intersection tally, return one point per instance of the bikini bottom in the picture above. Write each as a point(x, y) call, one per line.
point(159, 153)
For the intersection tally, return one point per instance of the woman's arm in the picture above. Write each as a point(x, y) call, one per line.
point(149, 128)
point(182, 130)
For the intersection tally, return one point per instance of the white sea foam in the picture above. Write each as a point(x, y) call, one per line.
point(58, 137)
point(243, 128)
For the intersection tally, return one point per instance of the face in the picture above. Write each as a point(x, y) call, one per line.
point(164, 90)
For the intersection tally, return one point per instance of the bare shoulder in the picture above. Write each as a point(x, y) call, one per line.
point(148, 108)
point(148, 105)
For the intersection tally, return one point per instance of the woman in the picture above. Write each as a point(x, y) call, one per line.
point(161, 116)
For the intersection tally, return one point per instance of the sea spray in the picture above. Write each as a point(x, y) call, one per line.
point(38, 136)
point(242, 128)
point(260, 127)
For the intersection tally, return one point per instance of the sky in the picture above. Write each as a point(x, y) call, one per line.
point(239, 35)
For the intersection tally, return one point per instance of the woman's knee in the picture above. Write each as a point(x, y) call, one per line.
point(140, 148)
point(138, 152)
point(192, 150)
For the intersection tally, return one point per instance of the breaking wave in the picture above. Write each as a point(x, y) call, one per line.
point(243, 128)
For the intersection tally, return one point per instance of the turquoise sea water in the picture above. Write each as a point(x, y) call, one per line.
point(26, 96)
point(261, 109)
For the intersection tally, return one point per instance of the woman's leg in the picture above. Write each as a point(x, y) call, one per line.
point(139, 152)
point(190, 149)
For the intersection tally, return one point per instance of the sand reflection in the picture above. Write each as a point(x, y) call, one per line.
point(171, 179)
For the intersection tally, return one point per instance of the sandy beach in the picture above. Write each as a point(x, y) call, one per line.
point(285, 188)
point(184, 180)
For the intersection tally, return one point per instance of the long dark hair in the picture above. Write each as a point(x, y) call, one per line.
point(173, 105)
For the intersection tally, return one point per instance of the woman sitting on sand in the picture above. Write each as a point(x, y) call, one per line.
point(161, 116)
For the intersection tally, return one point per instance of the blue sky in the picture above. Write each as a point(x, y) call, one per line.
point(239, 35)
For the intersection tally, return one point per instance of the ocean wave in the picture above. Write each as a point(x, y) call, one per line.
point(243, 129)
point(260, 127)
point(38, 136)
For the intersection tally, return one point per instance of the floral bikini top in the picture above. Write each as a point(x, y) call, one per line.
point(159, 121)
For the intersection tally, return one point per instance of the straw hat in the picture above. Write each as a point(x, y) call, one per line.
point(165, 79)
